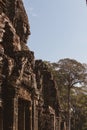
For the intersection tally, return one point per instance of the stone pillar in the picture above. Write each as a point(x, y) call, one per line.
point(1, 108)
point(52, 117)
point(28, 115)
point(35, 115)
point(1, 99)
point(15, 113)
point(58, 123)
point(30, 108)
point(1, 119)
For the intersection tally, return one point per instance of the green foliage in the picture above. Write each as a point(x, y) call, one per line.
point(71, 76)
point(69, 73)
point(79, 113)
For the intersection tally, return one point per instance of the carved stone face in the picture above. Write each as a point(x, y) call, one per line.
point(1, 34)
point(1, 49)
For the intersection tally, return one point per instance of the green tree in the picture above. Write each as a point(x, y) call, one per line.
point(69, 74)
point(79, 113)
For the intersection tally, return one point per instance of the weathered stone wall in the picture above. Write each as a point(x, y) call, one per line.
point(15, 11)
point(28, 92)
point(17, 79)
point(16, 59)
point(48, 96)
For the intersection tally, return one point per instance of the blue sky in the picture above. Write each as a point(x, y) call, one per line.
point(58, 29)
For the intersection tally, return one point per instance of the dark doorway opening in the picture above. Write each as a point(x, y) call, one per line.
point(24, 120)
point(8, 114)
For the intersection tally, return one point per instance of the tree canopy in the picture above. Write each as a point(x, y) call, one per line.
point(71, 78)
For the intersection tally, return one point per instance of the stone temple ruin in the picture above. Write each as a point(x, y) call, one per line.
point(28, 92)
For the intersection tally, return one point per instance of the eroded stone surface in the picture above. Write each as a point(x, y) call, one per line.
point(28, 91)
point(15, 11)
point(48, 95)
